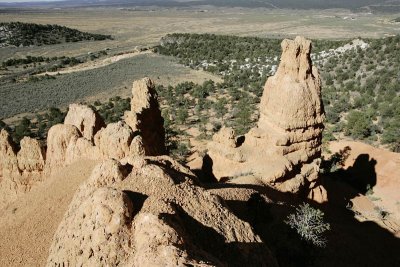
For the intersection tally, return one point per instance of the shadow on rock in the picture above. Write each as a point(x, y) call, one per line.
point(205, 244)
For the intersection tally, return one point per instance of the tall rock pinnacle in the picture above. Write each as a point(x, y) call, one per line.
point(284, 149)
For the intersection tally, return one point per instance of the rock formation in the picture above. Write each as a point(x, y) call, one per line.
point(114, 141)
point(84, 136)
point(85, 119)
point(284, 149)
point(29, 159)
point(140, 207)
point(31, 156)
point(58, 139)
point(8, 158)
point(154, 215)
point(145, 117)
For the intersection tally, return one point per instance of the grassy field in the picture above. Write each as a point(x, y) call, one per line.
point(96, 84)
point(141, 28)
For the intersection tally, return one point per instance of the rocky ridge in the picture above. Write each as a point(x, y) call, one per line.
point(82, 136)
point(140, 207)
point(154, 215)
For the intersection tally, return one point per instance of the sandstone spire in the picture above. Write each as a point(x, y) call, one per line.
point(292, 97)
point(145, 117)
point(284, 149)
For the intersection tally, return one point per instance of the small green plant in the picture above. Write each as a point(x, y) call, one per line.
point(309, 224)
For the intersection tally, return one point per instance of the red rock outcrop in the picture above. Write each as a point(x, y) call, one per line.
point(145, 117)
point(284, 149)
point(85, 119)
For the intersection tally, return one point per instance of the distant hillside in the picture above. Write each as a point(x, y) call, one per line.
point(303, 4)
point(374, 5)
point(26, 34)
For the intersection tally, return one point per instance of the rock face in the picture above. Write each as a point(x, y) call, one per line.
point(153, 215)
point(8, 158)
point(18, 170)
point(85, 136)
point(114, 141)
point(31, 156)
point(59, 138)
point(284, 149)
point(145, 117)
point(85, 119)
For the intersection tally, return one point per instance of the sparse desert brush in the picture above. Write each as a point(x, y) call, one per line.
point(309, 224)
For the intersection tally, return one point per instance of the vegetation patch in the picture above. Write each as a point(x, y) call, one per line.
point(360, 79)
point(27, 34)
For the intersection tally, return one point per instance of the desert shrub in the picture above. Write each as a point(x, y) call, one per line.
point(309, 224)
point(181, 151)
point(358, 125)
point(3, 125)
point(22, 129)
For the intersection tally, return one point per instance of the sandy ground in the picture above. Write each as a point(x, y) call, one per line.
point(27, 226)
point(387, 168)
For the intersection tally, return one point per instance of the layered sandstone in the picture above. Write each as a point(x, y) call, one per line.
point(284, 149)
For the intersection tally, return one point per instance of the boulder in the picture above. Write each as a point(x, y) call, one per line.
point(225, 136)
point(96, 233)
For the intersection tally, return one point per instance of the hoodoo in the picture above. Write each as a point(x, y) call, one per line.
point(83, 136)
point(145, 117)
point(284, 149)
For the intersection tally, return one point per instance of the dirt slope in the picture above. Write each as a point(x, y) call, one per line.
point(27, 226)
point(383, 167)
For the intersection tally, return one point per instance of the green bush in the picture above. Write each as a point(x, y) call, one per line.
point(309, 224)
